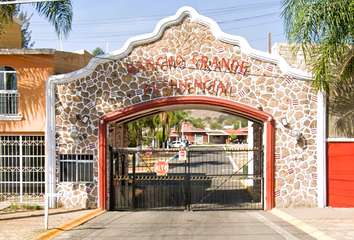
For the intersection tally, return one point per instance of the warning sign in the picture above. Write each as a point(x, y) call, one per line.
point(161, 168)
point(182, 155)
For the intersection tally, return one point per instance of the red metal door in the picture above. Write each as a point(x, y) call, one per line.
point(340, 170)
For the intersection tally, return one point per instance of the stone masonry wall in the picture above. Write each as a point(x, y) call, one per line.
point(196, 68)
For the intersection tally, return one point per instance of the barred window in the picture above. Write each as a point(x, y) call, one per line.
point(8, 91)
point(76, 168)
point(22, 168)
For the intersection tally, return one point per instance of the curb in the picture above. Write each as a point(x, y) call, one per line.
point(310, 230)
point(55, 232)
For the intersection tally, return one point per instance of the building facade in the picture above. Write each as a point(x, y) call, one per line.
point(186, 63)
point(23, 74)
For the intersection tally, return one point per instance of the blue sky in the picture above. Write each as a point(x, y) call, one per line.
point(98, 22)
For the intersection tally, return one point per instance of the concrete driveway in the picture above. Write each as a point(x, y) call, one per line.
point(186, 225)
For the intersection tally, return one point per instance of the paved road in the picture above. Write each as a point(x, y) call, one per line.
point(186, 225)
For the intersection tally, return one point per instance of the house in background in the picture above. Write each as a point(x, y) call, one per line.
point(199, 136)
point(217, 136)
point(241, 133)
point(193, 134)
point(23, 75)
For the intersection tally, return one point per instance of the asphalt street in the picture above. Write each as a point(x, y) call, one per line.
point(186, 225)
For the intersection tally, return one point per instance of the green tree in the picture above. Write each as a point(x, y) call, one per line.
point(178, 118)
point(97, 51)
point(233, 136)
point(215, 126)
point(222, 118)
point(207, 119)
point(151, 123)
point(58, 13)
point(165, 119)
point(135, 132)
point(6, 13)
point(198, 123)
point(25, 33)
point(323, 30)
point(235, 121)
point(159, 135)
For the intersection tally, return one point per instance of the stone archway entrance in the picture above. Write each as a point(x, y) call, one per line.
point(186, 61)
point(152, 107)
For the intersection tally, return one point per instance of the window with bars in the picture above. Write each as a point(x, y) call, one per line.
point(22, 168)
point(75, 168)
point(8, 91)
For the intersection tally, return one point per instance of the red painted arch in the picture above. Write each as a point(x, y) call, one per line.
point(246, 111)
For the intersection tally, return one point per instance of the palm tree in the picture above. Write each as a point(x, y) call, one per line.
point(323, 30)
point(152, 123)
point(135, 132)
point(178, 118)
point(58, 13)
point(165, 119)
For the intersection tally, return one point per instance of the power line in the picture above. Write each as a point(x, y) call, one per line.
point(154, 18)
point(276, 35)
point(248, 18)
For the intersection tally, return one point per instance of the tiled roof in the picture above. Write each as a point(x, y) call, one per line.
point(240, 131)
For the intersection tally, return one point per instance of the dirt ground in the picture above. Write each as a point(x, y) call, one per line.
point(30, 224)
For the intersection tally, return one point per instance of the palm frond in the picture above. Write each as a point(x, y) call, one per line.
point(324, 29)
point(59, 14)
point(6, 13)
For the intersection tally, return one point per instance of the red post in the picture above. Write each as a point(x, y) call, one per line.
point(102, 173)
point(270, 203)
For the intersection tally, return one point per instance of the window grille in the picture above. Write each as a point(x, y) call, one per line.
point(9, 103)
point(76, 168)
point(22, 169)
point(8, 91)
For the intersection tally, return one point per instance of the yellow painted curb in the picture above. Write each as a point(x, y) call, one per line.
point(69, 225)
point(312, 231)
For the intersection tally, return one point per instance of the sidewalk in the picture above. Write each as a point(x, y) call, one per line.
point(30, 224)
point(335, 222)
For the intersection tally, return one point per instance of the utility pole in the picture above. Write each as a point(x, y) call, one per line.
point(270, 42)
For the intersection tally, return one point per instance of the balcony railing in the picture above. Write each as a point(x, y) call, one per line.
point(9, 104)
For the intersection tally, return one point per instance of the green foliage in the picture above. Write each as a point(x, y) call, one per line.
point(178, 118)
point(221, 119)
point(14, 207)
point(323, 30)
point(215, 126)
point(58, 13)
point(25, 33)
point(198, 123)
point(163, 120)
point(207, 119)
point(6, 13)
point(30, 207)
point(233, 136)
point(159, 136)
point(97, 51)
point(135, 132)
